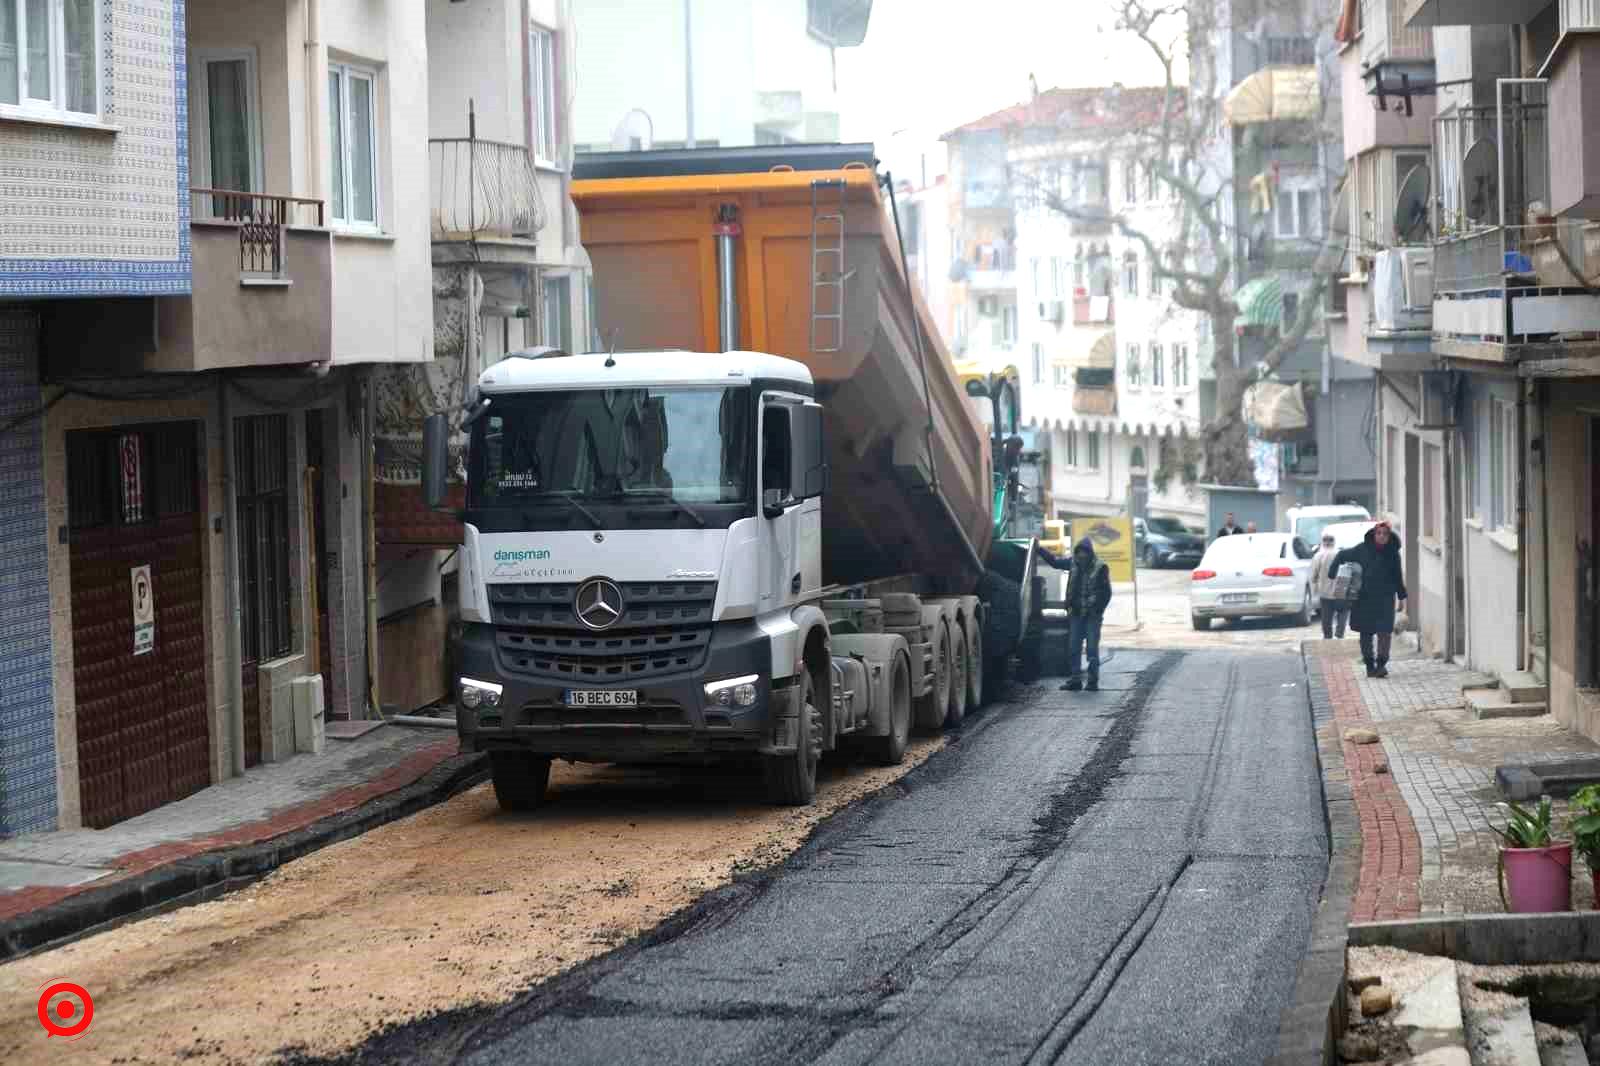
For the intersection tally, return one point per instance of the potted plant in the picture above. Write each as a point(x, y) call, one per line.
point(1535, 869)
point(1586, 831)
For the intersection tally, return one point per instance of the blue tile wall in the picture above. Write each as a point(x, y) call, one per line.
point(27, 710)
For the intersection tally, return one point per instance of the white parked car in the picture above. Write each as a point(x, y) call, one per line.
point(1345, 534)
point(1307, 523)
point(1252, 575)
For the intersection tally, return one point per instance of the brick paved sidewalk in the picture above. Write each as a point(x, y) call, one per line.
point(39, 869)
point(1425, 794)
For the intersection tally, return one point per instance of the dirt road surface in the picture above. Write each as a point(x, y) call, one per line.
point(457, 906)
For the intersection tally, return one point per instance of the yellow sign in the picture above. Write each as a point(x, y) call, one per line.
point(1113, 542)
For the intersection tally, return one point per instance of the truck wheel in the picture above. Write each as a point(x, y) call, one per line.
point(976, 668)
point(1304, 617)
point(520, 779)
point(792, 779)
point(931, 709)
point(960, 670)
point(891, 750)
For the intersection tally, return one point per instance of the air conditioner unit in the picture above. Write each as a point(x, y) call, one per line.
point(1401, 290)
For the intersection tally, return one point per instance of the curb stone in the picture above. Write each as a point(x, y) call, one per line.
point(1310, 1026)
point(198, 878)
point(1491, 939)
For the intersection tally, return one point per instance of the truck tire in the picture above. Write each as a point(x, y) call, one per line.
point(977, 668)
point(891, 750)
point(932, 708)
point(792, 779)
point(960, 671)
point(520, 779)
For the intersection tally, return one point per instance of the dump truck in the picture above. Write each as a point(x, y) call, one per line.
point(762, 521)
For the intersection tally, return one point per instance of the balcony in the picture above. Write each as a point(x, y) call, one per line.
point(992, 267)
point(1472, 12)
point(1505, 291)
point(1090, 310)
point(483, 190)
point(1385, 34)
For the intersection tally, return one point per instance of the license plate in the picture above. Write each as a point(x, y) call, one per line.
point(1237, 597)
point(601, 697)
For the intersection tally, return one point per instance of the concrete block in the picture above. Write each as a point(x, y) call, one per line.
point(1517, 783)
point(1523, 687)
point(1493, 703)
point(310, 727)
point(1505, 1038)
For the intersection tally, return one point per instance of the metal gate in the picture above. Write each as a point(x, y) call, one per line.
point(138, 618)
point(261, 485)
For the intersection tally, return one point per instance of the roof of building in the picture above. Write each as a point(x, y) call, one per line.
point(1115, 107)
point(535, 370)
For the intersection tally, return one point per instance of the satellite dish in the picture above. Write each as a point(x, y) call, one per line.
point(635, 133)
point(1411, 207)
point(1480, 184)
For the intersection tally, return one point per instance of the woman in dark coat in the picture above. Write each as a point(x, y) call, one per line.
point(1382, 583)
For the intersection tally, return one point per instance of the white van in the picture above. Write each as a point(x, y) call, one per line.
point(1307, 523)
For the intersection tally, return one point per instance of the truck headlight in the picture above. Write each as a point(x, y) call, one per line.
point(734, 692)
point(479, 693)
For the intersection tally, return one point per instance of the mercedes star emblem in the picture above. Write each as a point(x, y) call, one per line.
point(598, 604)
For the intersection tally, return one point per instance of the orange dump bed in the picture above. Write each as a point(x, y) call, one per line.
point(653, 244)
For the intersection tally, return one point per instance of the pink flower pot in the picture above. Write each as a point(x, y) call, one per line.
point(1536, 880)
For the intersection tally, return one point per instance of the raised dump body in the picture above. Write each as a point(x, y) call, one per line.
point(909, 494)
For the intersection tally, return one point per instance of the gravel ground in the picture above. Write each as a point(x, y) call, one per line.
point(457, 906)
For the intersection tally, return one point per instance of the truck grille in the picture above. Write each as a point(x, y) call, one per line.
point(665, 628)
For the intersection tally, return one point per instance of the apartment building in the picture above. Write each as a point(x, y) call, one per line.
point(220, 224)
point(509, 273)
point(709, 73)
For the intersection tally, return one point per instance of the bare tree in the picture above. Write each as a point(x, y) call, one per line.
point(1179, 141)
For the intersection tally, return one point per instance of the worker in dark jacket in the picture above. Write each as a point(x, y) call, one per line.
point(1088, 594)
point(1382, 583)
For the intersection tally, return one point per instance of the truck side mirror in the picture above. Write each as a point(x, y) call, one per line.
point(435, 460)
point(810, 452)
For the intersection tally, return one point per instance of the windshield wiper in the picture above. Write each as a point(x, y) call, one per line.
point(665, 498)
point(568, 499)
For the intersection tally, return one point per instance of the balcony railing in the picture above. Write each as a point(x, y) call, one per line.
point(483, 189)
point(1580, 15)
point(261, 219)
point(1509, 257)
point(1484, 156)
point(1385, 35)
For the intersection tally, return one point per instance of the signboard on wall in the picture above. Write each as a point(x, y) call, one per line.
point(144, 611)
point(1113, 542)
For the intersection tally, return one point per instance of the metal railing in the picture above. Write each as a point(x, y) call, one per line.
point(1498, 258)
point(1385, 35)
point(483, 188)
point(1511, 167)
point(261, 218)
point(1580, 15)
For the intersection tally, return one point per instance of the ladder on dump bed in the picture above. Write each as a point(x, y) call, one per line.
point(828, 274)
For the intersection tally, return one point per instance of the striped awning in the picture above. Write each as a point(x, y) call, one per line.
point(1274, 95)
point(1260, 302)
point(1089, 349)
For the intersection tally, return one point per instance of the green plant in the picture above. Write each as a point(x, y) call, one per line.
point(1585, 818)
point(1525, 829)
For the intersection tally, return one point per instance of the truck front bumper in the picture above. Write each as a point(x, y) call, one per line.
point(672, 718)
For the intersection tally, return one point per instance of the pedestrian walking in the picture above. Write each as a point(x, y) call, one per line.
point(1088, 594)
point(1335, 609)
point(1382, 583)
point(1229, 526)
point(1250, 528)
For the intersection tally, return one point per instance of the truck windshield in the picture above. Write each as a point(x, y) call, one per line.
point(642, 447)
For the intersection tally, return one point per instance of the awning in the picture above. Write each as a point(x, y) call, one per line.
point(1331, 260)
point(1277, 410)
point(1089, 349)
point(1274, 95)
point(1260, 302)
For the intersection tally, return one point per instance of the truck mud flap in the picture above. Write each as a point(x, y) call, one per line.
point(785, 719)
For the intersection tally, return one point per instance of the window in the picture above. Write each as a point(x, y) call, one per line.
point(1130, 274)
point(1430, 492)
point(1297, 213)
point(1471, 465)
point(1072, 447)
point(1180, 366)
point(227, 152)
point(353, 145)
point(1079, 266)
point(1037, 273)
point(1130, 182)
point(1058, 278)
point(1151, 189)
point(50, 57)
point(1038, 363)
point(558, 313)
point(1008, 325)
point(776, 467)
point(1094, 449)
point(261, 471)
point(1063, 377)
point(1155, 280)
point(1133, 365)
point(1291, 310)
point(1093, 184)
point(1158, 368)
point(1502, 465)
point(542, 85)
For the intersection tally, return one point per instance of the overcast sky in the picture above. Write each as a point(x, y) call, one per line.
point(928, 66)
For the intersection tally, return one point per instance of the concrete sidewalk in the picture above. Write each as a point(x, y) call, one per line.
point(1425, 793)
point(62, 883)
